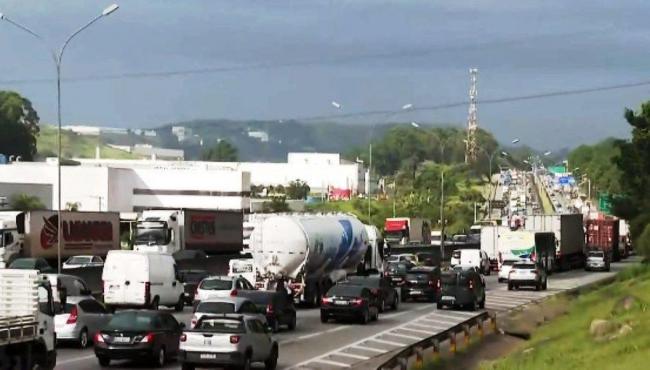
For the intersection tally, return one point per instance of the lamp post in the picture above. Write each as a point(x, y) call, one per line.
point(57, 56)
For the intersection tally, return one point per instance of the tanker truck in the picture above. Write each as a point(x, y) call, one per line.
point(309, 252)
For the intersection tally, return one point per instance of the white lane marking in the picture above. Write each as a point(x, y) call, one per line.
point(508, 305)
point(370, 349)
point(393, 334)
point(423, 308)
point(430, 327)
point(391, 315)
point(76, 359)
point(390, 343)
point(446, 323)
point(462, 313)
point(448, 316)
point(418, 330)
point(330, 362)
point(344, 354)
point(307, 336)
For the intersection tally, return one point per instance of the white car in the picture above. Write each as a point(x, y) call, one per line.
point(404, 257)
point(221, 286)
point(75, 262)
point(506, 266)
point(526, 273)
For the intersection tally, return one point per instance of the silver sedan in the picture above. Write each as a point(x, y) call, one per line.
point(80, 318)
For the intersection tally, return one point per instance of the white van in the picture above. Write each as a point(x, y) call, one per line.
point(141, 279)
point(471, 257)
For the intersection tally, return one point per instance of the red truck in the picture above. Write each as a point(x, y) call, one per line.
point(602, 234)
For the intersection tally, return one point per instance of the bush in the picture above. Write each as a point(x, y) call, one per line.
point(642, 244)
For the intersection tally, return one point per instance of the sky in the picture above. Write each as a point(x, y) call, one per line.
point(283, 59)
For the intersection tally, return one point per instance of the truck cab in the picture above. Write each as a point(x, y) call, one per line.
point(10, 241)
point(159, 231)
point(405, 230)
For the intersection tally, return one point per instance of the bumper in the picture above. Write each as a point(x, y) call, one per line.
point(134, 352)
point(342, 311)
point(68, 332)
point(452, 300)
point(211, 358)
point(524, 282)
point(415, 292)
point(595, 266)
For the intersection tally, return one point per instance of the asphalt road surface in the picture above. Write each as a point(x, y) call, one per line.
point(315, 345)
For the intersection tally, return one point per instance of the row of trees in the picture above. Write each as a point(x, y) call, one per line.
point(18, 126)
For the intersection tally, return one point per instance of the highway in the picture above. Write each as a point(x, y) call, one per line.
point(314, 345)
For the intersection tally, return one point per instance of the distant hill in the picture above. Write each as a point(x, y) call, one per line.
point(74, 145)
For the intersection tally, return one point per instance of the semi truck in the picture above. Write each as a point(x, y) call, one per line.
point(309, 253)
point(501, 243)
point(569, 236)
point(603, 234)
point(406, 230)
point(9, 238)
point(170, 231)
point(92, 233)
point(27, 312)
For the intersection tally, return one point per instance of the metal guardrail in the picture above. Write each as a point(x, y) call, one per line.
point(401, 359)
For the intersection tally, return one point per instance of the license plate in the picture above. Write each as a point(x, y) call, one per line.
point(208, 356)
point(416, 292)
point(207, 342)
point(397, 279)
point(341, 303)
point(122, 340)
point(448, 298)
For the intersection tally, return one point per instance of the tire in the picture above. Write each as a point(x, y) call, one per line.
point(160, 357)
point(272, 362)
point(187, 367)
point(481, 305)
point(246, 365)
point(83, 339)
point(375, 317)
point(382, 305)
point(439, 306)
point(472, 306)
point(275, 326)
point(180, 304)
point(155, 303)
point(510, 286)
point(104, 361)
point(324, 318)
point(395, 305)
point(292, 323)
point(538, 286)
point(365, 317)
point(50, 361)
point(545, 285)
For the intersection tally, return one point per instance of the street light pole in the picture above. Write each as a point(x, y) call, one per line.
point(58, 57)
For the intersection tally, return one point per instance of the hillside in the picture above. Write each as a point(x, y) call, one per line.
point(73, 145)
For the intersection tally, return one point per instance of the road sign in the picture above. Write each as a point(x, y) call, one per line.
point(498, 204)
point(557, 169)
point(605, 203)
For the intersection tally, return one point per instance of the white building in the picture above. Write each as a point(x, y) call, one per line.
point(109, 188)
point(262, 136)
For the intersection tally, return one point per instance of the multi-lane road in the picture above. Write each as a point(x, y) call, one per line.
point(314, 345)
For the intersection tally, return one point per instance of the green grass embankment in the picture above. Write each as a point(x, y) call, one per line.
point(75, 146)
point(568, 342)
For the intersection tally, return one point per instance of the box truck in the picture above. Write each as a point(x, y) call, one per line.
point(569, 236)
point(602, 234)
point(406, 230)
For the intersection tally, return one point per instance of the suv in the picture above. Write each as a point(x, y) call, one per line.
point(527, 274)
point(379, 285)
point(396, 272)
point(422, 282)
point(462, 286)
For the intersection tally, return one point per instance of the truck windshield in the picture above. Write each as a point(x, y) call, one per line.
point(145, 235)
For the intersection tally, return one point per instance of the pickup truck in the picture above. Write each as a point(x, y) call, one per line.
point(27, 334)
point(228, 340)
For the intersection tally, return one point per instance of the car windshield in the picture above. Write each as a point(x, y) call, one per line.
point(67, 308)
point(417, 275)
point(225, 325)
point(524, 266)
point(448, 278)
point(398, 268)
point(78, 260)
point(216, 284)
point(26, 263)
point(130, 321)
point(215, 307)
point(150, 235)
point(345, 291)
point(597, 254)
point(508, 263)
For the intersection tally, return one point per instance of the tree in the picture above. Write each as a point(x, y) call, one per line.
point(24, 202)
point(276, 205)
point(223, 151)
point(18, 125)
point(297, 189)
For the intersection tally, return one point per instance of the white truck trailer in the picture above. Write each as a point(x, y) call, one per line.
point(309, 252)
point(26, 320)
point(9, 238)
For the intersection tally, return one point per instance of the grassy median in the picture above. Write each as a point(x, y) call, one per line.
point(607, 328)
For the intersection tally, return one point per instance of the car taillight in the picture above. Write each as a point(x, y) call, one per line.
point(193, 323)
point(471, 284)
point(326, 300)
point(99, 338)
point(234, 339)
point(438, 284)
point(147, 292)
point(431, 283)
point(233, 293)
point(183, 337)
point(269, 309)
point(386, 273)
point(357, 302)
point(147, 338)
point(74, 313)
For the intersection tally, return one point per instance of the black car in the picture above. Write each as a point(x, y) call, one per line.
point(396, 272)
point(39, 264)
point(350, 302)
point(378, 285)
point(422, 283)
point(462, 287)
point(191, 280)
point(277, 306)
point(151, 336)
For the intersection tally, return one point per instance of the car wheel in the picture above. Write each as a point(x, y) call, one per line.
point(472, 306)
point(104, 361)
point(292, 323)
point(375, 317)
point(365, 317)
point(160, 357)
point(187, 367)
point(272, 362)
point(538, 286)
point(247, 362)
point(382, 305)
point(545, 285)
point(439, 306)
point(180, 304)
point(396, 302)
point(510, 286)
point(155, 303)
point(324, 318)
point(275, 326)
point(83, 338)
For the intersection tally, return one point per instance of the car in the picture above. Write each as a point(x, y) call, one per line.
point(527, 273)
point(141, 279)
point(422, 282)
point(277, 306)
point(462, 286)
point(597, 260)
point(221, 286)
point(471, 257)
point(224, 305)
point(38, 263)
point(396, 272)
point(506, 265)
point(79, 319)
point(191, 280)
point(379, 285)
point(146, 335)
point(75, 262)
point(228, 340)
point(67, 286)
point(350, 302)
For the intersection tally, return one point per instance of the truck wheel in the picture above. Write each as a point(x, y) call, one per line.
point(155, 303)
point(83, 338)
point(104, 361)
point(292, 323)
point(272, 362)
point(180, 304)
point(382, 305)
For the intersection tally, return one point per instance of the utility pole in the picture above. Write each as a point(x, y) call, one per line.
point(472, 119)
point(442, 213)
